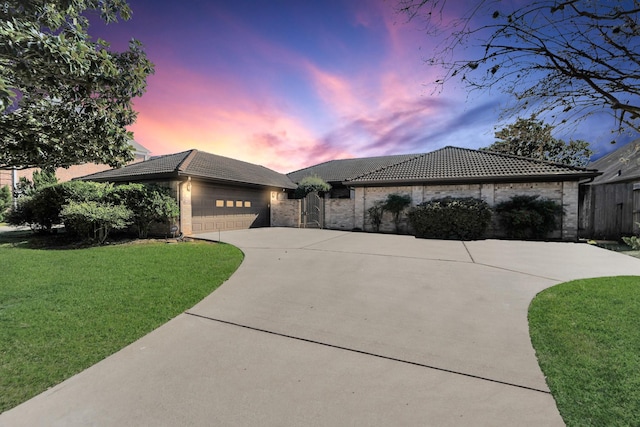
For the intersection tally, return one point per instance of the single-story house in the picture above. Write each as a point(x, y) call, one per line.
point(214, 192)
point(219, 193)
point(610, 204)
point(450, 171)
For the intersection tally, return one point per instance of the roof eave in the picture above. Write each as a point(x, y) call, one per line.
point(473, 180)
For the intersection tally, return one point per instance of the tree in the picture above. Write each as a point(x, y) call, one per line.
point(5, 201)
point(396, 204)
point(65, 99)
point(564, 57)
point(309, 184)
point(532, 138)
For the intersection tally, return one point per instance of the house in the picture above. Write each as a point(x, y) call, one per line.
point(140, 153)
point(219, 193)
point(214, 193)
point(610, 203)
point(450, 171)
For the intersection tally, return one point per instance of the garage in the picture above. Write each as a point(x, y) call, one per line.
point(215, 193)
point(219, 208)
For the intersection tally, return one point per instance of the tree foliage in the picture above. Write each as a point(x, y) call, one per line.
point(309, 184)
point(527, 217)
point(569, 57)
point(532, 138)
point(396, 204)
point(64, 98)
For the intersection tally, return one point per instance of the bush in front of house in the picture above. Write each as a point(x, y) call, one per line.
point(375, 214)
point(92, 209)
point(41, 209)
point(149, 204)
point(94, 220)
point(528, 217)
point(633, 241)
point(465, 218)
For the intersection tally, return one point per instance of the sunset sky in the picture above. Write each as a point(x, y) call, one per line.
point(287, 84)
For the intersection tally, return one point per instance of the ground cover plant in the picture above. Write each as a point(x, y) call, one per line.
point(62, 311)
point(587, 341)
point(464, 218)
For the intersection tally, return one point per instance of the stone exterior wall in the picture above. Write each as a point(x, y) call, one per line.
point(338, 214)
point(284, 212)
point(347, 214)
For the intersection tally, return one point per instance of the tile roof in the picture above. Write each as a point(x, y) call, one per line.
point(620, 165)
point(465, 165)
point(197, 164)
point(342, 170)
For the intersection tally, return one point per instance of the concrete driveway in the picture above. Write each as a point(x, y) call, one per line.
point(333, 328)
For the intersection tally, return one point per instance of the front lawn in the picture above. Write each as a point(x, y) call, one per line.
point(62, 311)
point(586, 334)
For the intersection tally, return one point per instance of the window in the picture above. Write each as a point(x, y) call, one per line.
point(229, 203)
point(219, 203)
point(247, 204)
point(238, 203)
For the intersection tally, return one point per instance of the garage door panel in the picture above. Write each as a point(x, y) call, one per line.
point(221, 208)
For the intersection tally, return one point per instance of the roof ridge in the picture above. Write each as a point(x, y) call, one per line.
point(184, 164)
point(399, 162)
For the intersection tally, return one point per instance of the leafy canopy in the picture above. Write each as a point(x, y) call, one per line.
point(64, 98)
point(532, 138)
point(571, 58)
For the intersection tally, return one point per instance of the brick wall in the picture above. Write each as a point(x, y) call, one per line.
point(347, 214)
point(284, 212)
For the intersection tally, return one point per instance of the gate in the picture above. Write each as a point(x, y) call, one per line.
point(312, 214)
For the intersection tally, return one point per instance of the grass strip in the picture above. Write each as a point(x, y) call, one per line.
point(62, 311)
point(586, 334)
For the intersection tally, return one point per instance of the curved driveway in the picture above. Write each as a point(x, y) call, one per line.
point(322, 327)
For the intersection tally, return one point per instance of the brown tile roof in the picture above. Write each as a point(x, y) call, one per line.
point(452, 164)
point(620, 165)
point(198, 164)
point(342, 170)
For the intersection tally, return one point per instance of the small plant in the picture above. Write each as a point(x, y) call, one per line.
point(526, 217)
point(451, 218)
point(375, 213)
point(396, 204)
point(633, 241)
point(94, 220)
point(310, 184)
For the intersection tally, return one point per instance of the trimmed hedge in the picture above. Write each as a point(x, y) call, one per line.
point(465, 218)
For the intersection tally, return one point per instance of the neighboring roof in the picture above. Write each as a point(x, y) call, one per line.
point(620, 165)
point(342, 170)
point(139, 148)
point(196, 164)
point(452, 164)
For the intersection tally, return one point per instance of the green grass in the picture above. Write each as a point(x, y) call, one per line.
point(62, 311)
point(586, 334)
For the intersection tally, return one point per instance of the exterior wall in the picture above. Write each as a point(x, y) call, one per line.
point(284, 212)
point(338, 214)
point(347, 214)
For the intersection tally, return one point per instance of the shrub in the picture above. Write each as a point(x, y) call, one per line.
point(633, 241)
point(451, 218)
point(310, 184)
point(375, 214)
point(41, 210)
point(149, 203)
point(94, 220)
point(525, 217)
point(5, 201)
point(396, 204)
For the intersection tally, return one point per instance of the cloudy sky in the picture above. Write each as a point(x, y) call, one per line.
point(288, 83)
